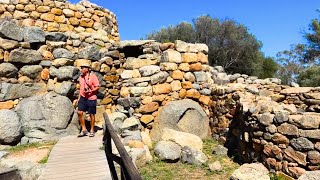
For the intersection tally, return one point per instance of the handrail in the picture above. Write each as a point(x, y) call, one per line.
point(128, 170)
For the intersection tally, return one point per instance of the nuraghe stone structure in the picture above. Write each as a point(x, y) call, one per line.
point(43, 43)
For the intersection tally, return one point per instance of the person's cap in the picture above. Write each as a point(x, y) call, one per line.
point(87, 65)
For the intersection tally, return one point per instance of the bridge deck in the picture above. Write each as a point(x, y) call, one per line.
point(77, 158)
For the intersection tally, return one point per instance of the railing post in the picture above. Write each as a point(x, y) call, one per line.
point(108, 150)
point(128, 170)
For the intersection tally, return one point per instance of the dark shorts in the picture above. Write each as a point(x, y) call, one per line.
point(87, 105)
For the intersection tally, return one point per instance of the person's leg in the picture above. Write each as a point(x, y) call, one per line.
point(92, 111)
point(93, 120)
point(81, 119)
point(82, 107)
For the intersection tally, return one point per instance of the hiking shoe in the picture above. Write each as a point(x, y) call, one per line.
point(82, 133)
point(91, 134)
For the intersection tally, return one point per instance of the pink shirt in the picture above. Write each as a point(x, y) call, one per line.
point(90, 80)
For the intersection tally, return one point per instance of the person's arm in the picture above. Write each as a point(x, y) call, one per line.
point(95, 84)
point(75, 102)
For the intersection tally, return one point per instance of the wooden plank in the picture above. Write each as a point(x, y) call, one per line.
point(82, 172)
point(87, 177)
point(77, 158)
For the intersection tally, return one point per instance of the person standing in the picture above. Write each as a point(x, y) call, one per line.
point(87, 101)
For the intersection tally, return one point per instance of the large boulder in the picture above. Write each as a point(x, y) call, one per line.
point(10, 127)
point(310, 175)
point(44, 116)
point(14, 91)
point(255, 171)
point(183, 115)
point(182, 138)
point(193, 156)
point(167, 151)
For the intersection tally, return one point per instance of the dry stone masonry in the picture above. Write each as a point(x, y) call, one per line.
point(163, 92)
point(274, 124)
point(85, 22)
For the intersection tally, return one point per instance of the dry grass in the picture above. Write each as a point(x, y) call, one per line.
point(38, 150)
point(160, 170)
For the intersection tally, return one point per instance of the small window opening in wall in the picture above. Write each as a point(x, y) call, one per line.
point(35, 46)
point(133, 51)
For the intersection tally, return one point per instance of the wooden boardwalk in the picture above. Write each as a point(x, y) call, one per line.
point(78, 159)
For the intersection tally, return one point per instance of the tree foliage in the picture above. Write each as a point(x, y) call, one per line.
point(298, 63)
point(310, 77)
point(290, 63)
point(270, 67)
point(313, 41)
point(230, 43)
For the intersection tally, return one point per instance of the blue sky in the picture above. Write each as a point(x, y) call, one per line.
point(277, 23)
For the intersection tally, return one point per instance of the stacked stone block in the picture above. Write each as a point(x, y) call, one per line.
point(277, 125)
point(87, 22)
point(166, 72)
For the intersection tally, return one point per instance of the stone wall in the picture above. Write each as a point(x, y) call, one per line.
point(163, 73)
point(43, 44)
point(274, 124)
point(37, 65)
point(39, 74)
point(146, 85)
point(85, 22)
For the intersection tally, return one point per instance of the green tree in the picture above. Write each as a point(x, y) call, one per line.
point(313, 42)
point(298, 63)
point(183, 31)
point(270, 67)
point(310, 77)
point(230, 43)
point(290, 63)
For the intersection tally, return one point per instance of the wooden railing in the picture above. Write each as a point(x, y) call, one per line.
point(128, 170)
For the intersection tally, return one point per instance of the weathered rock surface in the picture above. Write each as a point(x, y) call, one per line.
point(167, 151)
point(51, 114)
point(255, 171)
point(25, 56)
point(11, 30)
point(182, 138)
point(193, 156)
point(10, 127)
point(15, 91)
point(183, 115)
point(8, 70)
